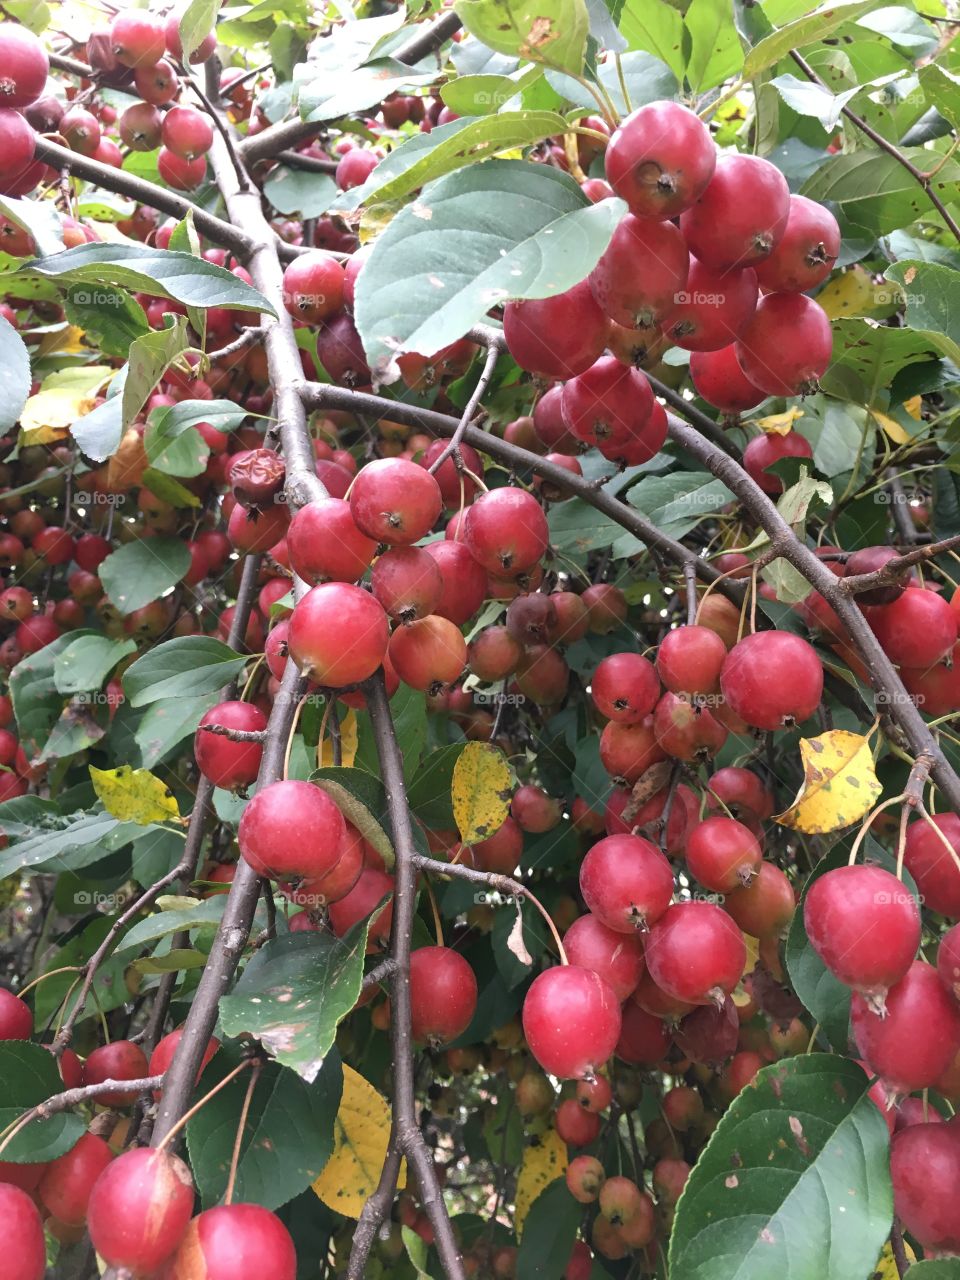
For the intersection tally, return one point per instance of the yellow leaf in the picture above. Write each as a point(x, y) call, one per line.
point(68, 340)
point(753, 953)
point(891, 427)
point(47, 415)
point(839, 783)
point(778, 424)
point(543, 1162)
point(914, 406)
point(886, 1268)
point(348, 743)
point(848, 294)
point(361, 1132)
point(134, 795)
point(480, 791)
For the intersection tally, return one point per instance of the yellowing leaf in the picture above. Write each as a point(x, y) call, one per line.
point(914, 406)
point(543, 1162)
point(891, 427)
point(68, 340)
point(361, 1132)
point(480, 791)
point(886, 1268)
point(753, 953)
point(848, 294)
point(839, 783)
point(778, 424)
point(47, 415)
point(348, 743)
point(134, 795)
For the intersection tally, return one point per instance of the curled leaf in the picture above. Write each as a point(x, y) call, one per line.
point(839, 783)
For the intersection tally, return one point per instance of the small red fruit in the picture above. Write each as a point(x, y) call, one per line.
point(395, 501)
point(119, 1060)
point(613, 955)
point(16, 1020)
point(556, 337)
point(291, 830)
point(786, 347)
point(338, 634)
point(660, 159)
point(806, 252)
point(228, 764)
point(771, 679)
point(506, 531)
point(67, 1182)
point(25, 1251)
point(741, 216)
point(695, 952)
point(443, 995)
point(626, 882)
point(571, 1021)
point(911, 1045)
point(723, 854)
point(139, 1209)
point(231, 1241)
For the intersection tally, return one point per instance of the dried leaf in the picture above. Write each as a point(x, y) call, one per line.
point(515, 941)
point(778, 424)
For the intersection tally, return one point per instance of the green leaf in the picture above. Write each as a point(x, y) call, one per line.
point(14, 375)
point(182, 668)
point(941, 1269)
point(140, 572)
point(40, 218)
point(932, 295)
point(297, 191)
point(715, 50)
point(866, 359)
point(205, 914)
point(287, 1139)
point(416, 1251)
point(679, 501)
point(37, 702)
point(110, 318)
point(794, 1181)
point(656, 28)
point(166, 724)
point(548, 1233)
point(360, 798)
point(875, 193)
point(294, 992)
point(822, 994)
point(483, 95)
point(504, 229)
point(429, 789)
point(99, 432)
point(197, 21)
point(60, 844)
point(554, 32)
point(28, 1076)
point(192, 281)
point(941, 90)
point(343, 92)
point(427, 156)
point(87, 662)
point(150, 357)
point(809, 99)
point(174, 447)
point(167, 489)
point(810, 29)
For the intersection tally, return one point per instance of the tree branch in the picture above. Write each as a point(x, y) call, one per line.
point(922, 179)
point(894, 570)
point(302, 484)
point(883, 675)
point(408, 1139)
point(325, 396)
